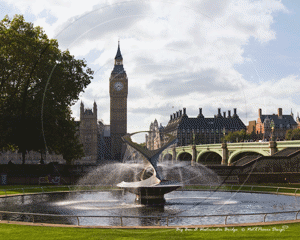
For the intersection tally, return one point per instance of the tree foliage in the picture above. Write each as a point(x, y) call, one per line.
point(237, 136)
point(38, 84)
point(293, 134)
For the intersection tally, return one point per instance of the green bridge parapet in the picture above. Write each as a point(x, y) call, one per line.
point(228, 151)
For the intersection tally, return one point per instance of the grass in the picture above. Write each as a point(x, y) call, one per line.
point(20, 189)
point(12, 231)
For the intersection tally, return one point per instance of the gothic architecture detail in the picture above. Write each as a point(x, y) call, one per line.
point(118, 90)
point(88, 132)
point(298, 120)
point(155, 139)
point(274, 124)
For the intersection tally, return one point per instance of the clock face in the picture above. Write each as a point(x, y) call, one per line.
point(118, 86)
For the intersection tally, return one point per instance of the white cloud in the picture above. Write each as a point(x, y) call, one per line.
point(179, 54)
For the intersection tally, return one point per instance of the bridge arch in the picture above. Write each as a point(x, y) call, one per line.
point(209, 157)
point(167, 157)
point(184, 156)
point(242, 153)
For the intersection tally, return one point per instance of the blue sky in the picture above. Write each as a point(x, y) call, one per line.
point(202, 53)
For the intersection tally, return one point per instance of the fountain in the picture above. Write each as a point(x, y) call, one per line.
point(155, 202)
point(148, 179)
point(150, 190)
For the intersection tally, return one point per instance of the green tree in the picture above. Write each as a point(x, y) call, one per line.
point(237, 136)
point(293, 134)
point(38, 84)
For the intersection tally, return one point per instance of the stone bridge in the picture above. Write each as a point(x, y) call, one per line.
point(225, 153)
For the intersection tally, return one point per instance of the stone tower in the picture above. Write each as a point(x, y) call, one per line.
point(88, 132)
point(118, 91)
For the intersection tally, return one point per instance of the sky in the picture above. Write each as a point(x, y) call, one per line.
point(193, 54)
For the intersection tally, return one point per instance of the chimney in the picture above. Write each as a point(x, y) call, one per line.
point(174, 115)
point(171, 117)
point(259, 112)
point(234, 113)
point(229, 114)
point(279, 112)
point(177, 114)
point(184, 111)
point(200, 115)
point(180, 113)
point(219, 112)
point(224, 114)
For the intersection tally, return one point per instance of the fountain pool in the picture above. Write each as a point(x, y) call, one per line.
point(117, 207)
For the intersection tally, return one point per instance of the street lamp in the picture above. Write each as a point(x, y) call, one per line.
point(272, 125)
point(224, 132)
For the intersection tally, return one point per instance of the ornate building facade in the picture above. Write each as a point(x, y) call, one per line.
point(100, 141)
point(197, 130)
point(155, 139)
point(298, 120)
point(274, 125)
point(88, 133)
point(118, 91)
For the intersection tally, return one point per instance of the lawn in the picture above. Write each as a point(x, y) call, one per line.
point(11, 231)
point(20, 189)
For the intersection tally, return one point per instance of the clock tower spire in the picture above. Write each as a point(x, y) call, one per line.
point(118, 91)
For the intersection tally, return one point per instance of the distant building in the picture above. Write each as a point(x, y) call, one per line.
point(198, 130)
point(88, 133)
point(94, 136)
point(155, 138)
point(298, 120)
point(31, 157)
point(251, 128)
point(279, 122)
point(104, 142)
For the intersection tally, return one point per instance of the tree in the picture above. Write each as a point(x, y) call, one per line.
point(38, 85)
point(293, 134)
point(237, 136)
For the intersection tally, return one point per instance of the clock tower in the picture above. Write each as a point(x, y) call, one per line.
point(118, 91)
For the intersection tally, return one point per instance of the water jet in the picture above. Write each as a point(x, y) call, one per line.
point(150, 191)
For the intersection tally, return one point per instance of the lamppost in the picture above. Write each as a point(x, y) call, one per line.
point(272, 143)
point(272, 125)
point(224, 149)
point(224, 132)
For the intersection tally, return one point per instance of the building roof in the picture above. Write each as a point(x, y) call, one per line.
point(284, 120)
point(118, 69)
point(119, 55)
point(184, 122)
